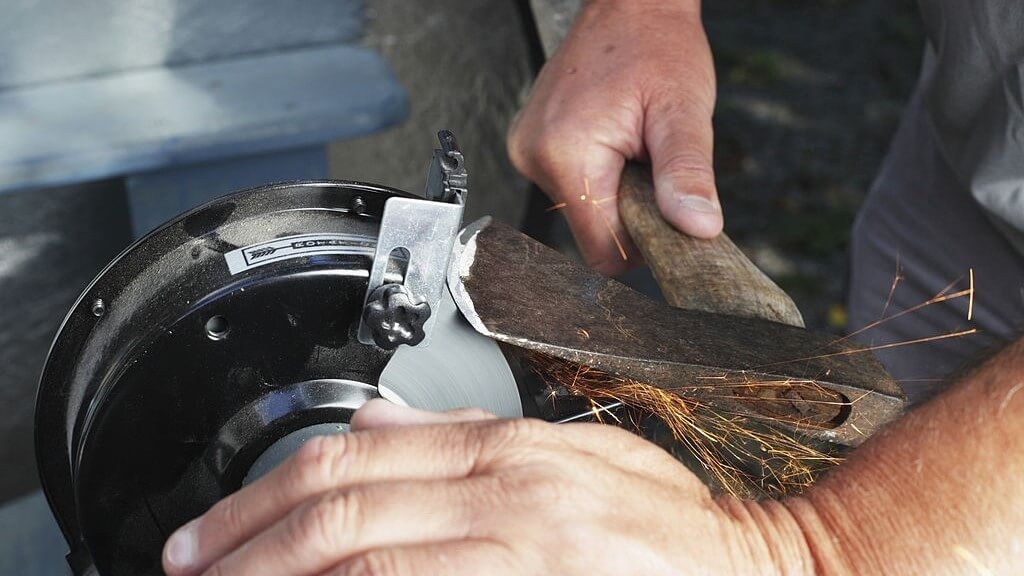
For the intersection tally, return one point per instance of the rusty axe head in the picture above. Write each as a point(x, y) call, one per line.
point(518, 291)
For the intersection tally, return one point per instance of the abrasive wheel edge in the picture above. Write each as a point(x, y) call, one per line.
point(459, 368)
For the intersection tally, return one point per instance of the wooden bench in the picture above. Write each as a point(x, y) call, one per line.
point(181, 133)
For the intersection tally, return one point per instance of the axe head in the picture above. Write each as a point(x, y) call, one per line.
point(518, 291)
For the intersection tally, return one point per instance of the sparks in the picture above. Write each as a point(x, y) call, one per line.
point(615, 237)
point(595, 412)
point(942, 296)
point(740, 456)
point(877, 347)
point(892, 289)
point(595, 204)
point(970, 302)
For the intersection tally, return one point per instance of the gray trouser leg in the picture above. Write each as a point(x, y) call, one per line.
point(919, 216)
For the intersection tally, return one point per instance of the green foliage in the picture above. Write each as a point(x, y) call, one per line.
point(820, 232)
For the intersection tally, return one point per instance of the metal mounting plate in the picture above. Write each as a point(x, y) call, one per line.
point(427, 230)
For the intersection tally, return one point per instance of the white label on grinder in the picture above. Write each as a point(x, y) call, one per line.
point(303, 245)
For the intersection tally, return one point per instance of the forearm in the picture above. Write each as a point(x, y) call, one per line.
point(941, 491)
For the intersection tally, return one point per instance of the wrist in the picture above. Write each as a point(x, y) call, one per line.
point(767, 539)
point(868, 518)
point(845, 530)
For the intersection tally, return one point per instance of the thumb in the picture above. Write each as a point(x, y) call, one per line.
point(379, 413)
point(680, 145)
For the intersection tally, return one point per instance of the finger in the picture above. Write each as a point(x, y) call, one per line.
point(380, 413)
point(582, 179)
point(334, 527)
point(679, 137)
point(322, 464)
point(589, 194)
point(457, 558)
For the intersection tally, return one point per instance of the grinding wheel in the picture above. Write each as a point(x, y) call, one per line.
point(205, 352)
point(458, 369)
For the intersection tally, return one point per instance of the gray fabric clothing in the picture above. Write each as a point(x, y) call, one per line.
point(974, 101)
point(949, 198)
point(921, 218)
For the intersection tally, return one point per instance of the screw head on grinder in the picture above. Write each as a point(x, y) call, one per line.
point(394, 318)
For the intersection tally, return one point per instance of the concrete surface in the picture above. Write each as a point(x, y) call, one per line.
point(170, 118)
point(466, 66)
point(30, 541)
point(45, 40)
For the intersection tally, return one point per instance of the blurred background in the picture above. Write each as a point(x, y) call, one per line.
point(115, 117)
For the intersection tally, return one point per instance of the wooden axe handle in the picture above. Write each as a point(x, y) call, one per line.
point(709, 275)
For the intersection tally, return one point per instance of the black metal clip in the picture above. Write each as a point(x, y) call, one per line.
point(447, 180)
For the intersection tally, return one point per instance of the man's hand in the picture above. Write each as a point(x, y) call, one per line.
point(410, 492)
point(632, 80)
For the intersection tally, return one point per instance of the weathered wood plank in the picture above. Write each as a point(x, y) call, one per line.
point(148, 119)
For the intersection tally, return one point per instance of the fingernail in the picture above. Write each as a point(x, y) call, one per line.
point(699, 204)
point(182, 550)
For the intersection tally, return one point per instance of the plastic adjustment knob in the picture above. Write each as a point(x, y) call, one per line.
point(394, 318)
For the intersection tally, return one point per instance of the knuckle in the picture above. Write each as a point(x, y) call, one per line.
point(680, 124)
point(320, 460)
point(539, 151)
point(515, 143)
point(514, 432)
point(532, 487)
point(492, 442)
point(322, 524)
point(687, 92)
point(551, 489)
point(690, 165)
point(227, 515)
point(549, 149)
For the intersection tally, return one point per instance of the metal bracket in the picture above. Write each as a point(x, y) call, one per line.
point(447, 179)
point(418, 234)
